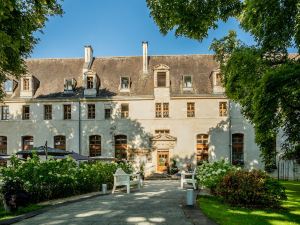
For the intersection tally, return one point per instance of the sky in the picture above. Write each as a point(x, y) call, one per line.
point(117, 28)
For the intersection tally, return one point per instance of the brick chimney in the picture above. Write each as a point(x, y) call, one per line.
point(88, 56)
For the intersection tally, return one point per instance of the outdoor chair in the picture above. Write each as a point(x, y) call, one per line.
point(123, 179)
point(188, 178)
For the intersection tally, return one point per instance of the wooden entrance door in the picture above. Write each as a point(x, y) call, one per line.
point(162, 160)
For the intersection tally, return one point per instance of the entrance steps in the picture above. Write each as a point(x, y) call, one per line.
point(162, 176)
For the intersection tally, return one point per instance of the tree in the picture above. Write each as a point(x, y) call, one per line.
point(264, 79)
point(19, 19)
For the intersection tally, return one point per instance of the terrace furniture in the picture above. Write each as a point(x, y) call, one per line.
point(123, 179)
point(188, 178)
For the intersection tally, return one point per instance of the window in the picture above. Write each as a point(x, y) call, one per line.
point(90, 82)
point(158, 110)
point(125, 83)
point(218, 79)
point(26, 112)
point(95, 145)
point(91, 111)
point(67, 112)
point(222, 108)
point(70, 84)
point(162, 110)
point(8, 86)
point(238, 149)
point(190, 109)
point(3, 144)
point(164, 131)
point(27, 142)
point(107, 114)
point(161, 79)
point(121, 146)
point(26, 84)
point(47, 112)
point(187, 82)
point(124, 110)
point(202, 148)
point(60, 142)
point(165, 110)
point(4, 112)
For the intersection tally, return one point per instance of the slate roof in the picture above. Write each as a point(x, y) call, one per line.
point(51, 74)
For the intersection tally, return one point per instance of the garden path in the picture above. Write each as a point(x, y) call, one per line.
point(158, 202)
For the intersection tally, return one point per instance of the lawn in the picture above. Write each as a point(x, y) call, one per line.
point(4, 215)
point(227, 215)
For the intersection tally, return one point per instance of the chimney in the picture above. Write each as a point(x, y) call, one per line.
point(145, 57)
point(88, 56)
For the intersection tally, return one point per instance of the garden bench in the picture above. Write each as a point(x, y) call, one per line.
point(191, 180)
point(123, 179)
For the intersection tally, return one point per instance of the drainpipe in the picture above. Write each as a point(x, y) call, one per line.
point(79, 125)
point(229, 131)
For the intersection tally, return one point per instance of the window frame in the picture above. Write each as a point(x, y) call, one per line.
point(190, 109)
point(91, 111)
point(25, 115)
point(121, 146)
point(60, 138)
point(3, 144)
point(95, 146)
point(48, 112)
point(26, 84)
point(124, 113)
point(67, 113)
point(184, 83)
point(202, 147)
point(223, 111)
point(121, 83)
point(237, 158)
point(106, 110)
point(31, 140)
point(159, 74)
point(5, 113)
point(89, 82)
point(162, 131)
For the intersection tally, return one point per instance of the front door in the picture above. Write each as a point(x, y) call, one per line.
point(162, 160)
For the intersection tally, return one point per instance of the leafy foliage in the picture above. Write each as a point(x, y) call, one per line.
point(210, 174)
point(51, 179)
point(254, 188)
point(263, 79)
point(19, 19)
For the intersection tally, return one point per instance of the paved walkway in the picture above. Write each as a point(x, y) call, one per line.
point(158, 202)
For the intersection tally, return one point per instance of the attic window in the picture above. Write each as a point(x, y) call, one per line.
point(90, 82)
point(8, 86)
point(161, 79)
point(218, 79)
point(69, 84)
point(26, 84)
point(125, 83)
point(187, 81)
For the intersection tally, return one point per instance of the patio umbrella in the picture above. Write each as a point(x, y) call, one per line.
point(75, 156)
point(41, 151)
point(4, 156)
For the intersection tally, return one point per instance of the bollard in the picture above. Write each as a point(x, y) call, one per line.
point(104, 188)
point(189, 197)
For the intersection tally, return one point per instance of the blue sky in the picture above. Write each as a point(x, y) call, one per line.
point(116, 28)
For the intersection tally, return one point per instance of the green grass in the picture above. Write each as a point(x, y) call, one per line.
point(5, 215)
point(227, 215)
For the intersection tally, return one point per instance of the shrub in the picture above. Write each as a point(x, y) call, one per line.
point(210, 174)
point(254, 188)
point(50, 179)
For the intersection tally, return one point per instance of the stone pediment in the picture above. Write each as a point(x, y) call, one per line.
point(163, 141)
point(161, 67)
point(164, 137)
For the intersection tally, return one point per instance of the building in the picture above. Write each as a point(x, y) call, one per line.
point(148, 109)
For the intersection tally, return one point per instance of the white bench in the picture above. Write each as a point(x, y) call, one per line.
point(123, 179)
point(191, 180)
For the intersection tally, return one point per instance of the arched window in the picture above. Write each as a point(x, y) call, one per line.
point(95, 145)
point(3, 144)
point(60, 142)
point(238, 149)
point(27, 142)
point(202, 147)
point(121, 146)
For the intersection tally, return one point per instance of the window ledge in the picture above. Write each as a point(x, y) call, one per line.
point(124, 90)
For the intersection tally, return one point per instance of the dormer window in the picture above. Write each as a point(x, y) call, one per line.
point(125, 83)
point(161, 79)
point(187, 82)
point(216, 79)
point(90, 82)
point(8, 86)
point(26, 84)
point(69, 85)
